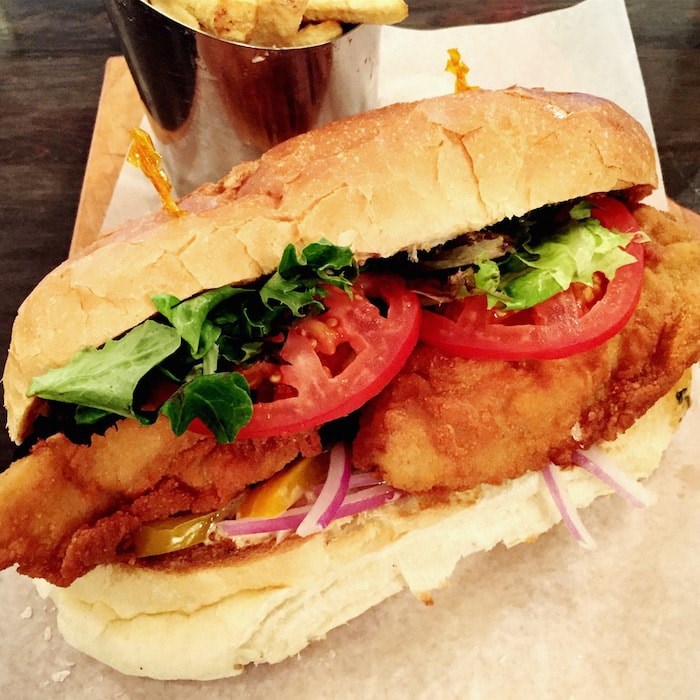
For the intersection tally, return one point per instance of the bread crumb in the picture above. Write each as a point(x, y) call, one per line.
point(26, 613)
point(47, 634)
point(60, 676)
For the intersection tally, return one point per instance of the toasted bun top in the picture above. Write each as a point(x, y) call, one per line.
point(404, 177)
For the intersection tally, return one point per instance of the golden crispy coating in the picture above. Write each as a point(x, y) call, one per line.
point(454, 423)
point(67, 508)
point(663, 338)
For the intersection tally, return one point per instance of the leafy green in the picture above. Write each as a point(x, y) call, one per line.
point(538, 271)
point(194, 342)
point(296, 286)
point(488, 276)
point(296, 282)
point(580, 210)
point(221, 401)
point(105, 379)
point(189, 317)
point(89, 416)
point(239, 321)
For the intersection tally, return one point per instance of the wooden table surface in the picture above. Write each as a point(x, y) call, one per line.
point(52, 68)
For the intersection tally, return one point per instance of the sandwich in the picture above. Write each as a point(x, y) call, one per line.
point(391, 342)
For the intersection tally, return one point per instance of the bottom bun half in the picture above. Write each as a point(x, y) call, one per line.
point(270, 602)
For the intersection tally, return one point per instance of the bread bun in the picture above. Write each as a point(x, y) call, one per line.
point(264, 606)
point(405, 177)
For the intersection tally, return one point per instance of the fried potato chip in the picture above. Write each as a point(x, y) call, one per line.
point(176, 11)
point(313, 34)
point(277, 22)
point(229, 19)
point(357, 11)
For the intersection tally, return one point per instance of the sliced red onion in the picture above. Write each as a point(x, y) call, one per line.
point(362, 480)
point(332, 494)
point(598, 463)
point(560, 496)
point(354, 503)
point(289, 520)
point(358, 480)
point(367, 499)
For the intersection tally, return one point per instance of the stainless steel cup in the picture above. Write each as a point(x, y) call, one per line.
point(213, 103)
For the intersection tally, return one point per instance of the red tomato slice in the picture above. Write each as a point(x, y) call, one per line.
point(613, 214)
point(334, 363)
point(557, 328)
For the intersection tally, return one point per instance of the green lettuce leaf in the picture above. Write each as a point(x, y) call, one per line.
point(90, 416)
point(221, 401)
point(105, 379)
point(580, 210)
point(297, 283)
point(189, 317)
point(539, 271)
point(487, 277)
point(237, 320)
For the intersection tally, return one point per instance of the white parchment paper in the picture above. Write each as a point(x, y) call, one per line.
point(546, 620)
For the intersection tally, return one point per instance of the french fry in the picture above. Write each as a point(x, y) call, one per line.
point(357, 11)
point(277, 22)
point(312, 34)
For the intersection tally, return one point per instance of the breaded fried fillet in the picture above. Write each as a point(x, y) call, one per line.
point(663, 337)
point(67, 508)
point(447, 422)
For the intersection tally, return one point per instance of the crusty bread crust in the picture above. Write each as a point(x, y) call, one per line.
point(211, 621)
point(405, 177)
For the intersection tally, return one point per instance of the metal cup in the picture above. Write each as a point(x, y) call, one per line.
point(214, 103)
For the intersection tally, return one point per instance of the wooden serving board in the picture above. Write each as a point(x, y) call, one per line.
point(120, 109)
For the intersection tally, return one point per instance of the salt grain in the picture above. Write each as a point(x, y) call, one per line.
point(26, 613)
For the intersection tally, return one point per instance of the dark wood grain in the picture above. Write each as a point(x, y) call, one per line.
point(52, 58)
